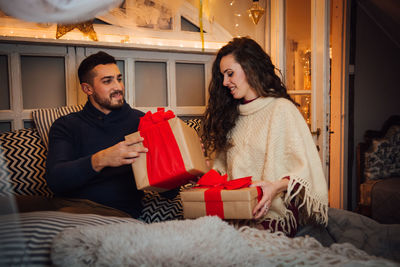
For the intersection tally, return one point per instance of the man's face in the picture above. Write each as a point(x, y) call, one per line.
point(107, 89)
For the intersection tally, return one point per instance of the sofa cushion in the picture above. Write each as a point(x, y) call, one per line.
point(22, 164)
point(195, 123)
point(26, 238)
point(158, 208)
point(383, 159)
point(45, 117)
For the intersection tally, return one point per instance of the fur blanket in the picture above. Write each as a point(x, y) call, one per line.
point(207, 241)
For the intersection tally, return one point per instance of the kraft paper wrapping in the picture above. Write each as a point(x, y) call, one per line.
point(237, 204)
point(190, 147)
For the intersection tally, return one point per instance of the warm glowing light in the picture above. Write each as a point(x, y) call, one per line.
point(256, 12)
point(116, 38)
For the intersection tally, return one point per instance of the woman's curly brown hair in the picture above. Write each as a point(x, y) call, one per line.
point(222, 109)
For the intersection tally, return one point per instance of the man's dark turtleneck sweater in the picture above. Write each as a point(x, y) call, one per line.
point(73, 139)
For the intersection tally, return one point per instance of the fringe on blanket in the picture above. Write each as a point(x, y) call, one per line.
point(314, 203)
point(285, 224)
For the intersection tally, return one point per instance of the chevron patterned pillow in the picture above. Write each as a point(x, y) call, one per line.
point(22, 164)
point(194, 123)
point(157, 208)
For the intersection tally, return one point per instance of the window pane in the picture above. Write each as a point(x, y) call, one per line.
point(298, 48)
point(190, 85)
point(305, 106)
point(121, 66)
point(29, 124)
point(4, 90)
point(43, 82)
point(188, 26)
point(5, 126)
point(150, 84)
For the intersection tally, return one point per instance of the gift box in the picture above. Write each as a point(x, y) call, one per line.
point(225, 199)
point(175, 155)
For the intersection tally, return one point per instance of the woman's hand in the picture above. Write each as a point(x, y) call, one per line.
point(270, 191)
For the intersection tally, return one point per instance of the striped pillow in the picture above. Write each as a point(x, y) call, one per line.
point(26, 238)
point(45, 117)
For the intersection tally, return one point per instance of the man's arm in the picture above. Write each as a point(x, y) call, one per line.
point(120, 154)
point(66, 171)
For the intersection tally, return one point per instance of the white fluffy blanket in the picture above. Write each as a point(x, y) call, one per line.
point(207, 241)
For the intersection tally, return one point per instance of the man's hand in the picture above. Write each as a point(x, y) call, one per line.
point(125, 152)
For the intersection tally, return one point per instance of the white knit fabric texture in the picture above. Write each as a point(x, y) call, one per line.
point(270, 141)
point(206, 241)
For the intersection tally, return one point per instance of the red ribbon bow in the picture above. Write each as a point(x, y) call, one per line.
point(149, 119)
point(165, 165)
point(212, 197)
point(212, 179)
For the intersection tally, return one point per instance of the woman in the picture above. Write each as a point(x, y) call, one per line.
point(256, 130)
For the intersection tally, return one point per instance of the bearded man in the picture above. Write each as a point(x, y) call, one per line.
point(88, 156)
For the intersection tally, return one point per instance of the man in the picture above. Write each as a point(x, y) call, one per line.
point(88, 157)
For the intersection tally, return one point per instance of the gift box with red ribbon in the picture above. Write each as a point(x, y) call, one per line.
point(174, 156)
point(214, 195)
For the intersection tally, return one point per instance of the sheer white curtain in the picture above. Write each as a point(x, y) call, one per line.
point(60, 11)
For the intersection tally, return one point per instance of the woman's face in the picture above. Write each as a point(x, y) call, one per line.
point(235, 79)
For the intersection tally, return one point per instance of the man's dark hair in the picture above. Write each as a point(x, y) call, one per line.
point(88, 64)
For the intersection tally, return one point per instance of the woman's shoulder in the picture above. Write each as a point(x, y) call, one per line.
point(281, 103)
point(284, 109)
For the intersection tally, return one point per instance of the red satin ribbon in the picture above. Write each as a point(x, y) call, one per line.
point(212, 197)
point(165, 166)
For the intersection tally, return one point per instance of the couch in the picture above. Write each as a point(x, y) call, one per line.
point(22, 181)
point(378, 173)
point(36, 236)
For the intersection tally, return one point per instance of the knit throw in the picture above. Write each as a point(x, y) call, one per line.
point(207, 241)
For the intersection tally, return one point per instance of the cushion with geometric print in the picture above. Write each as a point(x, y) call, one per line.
point(382, 160)
point(23, 164)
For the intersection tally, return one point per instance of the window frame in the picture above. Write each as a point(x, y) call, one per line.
point(17, 115)
point(73, 55)
point(170, 58)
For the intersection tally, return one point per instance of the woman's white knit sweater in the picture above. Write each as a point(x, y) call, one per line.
point(270, 141)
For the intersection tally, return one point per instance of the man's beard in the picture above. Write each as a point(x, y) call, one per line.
point(106, 102)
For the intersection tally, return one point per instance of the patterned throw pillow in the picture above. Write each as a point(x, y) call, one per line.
point(26, 239)
point(157, 208)
point(383, 159)
point(45, 117)
point(194, 123)
point(22, 164)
